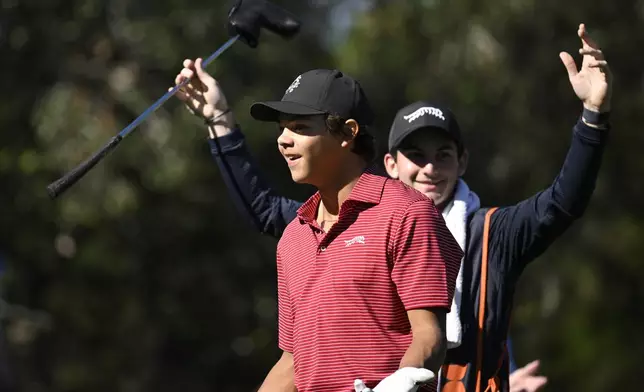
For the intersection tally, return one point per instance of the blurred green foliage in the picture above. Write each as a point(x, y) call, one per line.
point(143, 277)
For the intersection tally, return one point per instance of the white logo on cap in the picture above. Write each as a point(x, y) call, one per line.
point(294, 85)
point(423, 111)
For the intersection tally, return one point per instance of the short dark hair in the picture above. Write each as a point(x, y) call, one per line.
point(364, 144)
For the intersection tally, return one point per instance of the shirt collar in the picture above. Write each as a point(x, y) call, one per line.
point(367, 190)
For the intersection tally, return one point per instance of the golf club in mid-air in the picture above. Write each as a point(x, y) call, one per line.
point(245, 21)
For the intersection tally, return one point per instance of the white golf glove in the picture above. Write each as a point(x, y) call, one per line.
point(403, 380)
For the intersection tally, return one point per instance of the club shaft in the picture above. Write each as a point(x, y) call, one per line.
point(219, 51)
point(126, 131)
point(62, 184)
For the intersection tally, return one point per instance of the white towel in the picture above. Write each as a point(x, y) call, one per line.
point(464, 203)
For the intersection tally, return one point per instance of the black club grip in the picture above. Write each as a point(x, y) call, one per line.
point(59, 186)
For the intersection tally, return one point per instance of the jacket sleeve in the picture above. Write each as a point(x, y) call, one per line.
point(252, 196)
point(525, 230)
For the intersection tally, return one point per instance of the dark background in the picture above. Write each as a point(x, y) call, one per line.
point(144, 278)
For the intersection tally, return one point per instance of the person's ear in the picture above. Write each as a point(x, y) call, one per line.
point(353, 127)
point(391, 166)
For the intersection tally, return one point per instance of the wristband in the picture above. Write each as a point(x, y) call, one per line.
point(595, 118)
point(211, 121)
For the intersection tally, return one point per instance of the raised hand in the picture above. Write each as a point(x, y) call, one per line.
point(202, 95)
point(593, 82)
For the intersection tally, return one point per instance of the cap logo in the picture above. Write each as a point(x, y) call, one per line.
point(423, 111)
point(294, 85)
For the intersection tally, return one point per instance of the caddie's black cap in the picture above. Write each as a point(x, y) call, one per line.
point(423, 115)
point(320, 91)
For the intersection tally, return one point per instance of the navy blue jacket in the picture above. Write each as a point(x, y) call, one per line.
point(518, 234)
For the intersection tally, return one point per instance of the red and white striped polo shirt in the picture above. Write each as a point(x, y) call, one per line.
point(343, 295)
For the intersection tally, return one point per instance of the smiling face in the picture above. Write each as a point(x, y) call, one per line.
point(312, 153)
point(429, 161)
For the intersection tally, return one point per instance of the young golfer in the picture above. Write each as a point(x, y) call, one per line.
point(427, 152)
point(367, 267)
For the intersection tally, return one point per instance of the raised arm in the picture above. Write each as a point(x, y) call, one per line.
point(252, 196)
point(530, 226)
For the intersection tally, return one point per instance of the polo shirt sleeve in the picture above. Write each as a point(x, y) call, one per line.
point(285, 313)
point(426, 258)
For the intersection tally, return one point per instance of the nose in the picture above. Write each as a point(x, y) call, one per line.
point(285, 139)
point(429, 169)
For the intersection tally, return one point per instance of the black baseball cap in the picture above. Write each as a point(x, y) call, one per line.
point(426, 116)
point(320, 91)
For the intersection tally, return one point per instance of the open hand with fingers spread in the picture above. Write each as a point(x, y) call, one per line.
point(593, 82)
point(202, 95)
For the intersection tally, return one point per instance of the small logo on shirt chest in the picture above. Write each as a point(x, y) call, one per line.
point(355, 240)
